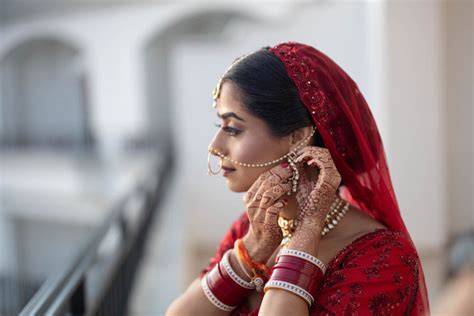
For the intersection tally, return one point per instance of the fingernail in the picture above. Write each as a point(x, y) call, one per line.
point(279, 204)
point(284, 164)
point(285, 199)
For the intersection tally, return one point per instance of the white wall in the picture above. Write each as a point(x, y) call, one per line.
point(458, 112)
point(417, 128)
point(395, 52)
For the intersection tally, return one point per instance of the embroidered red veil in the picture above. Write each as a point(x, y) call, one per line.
point(350, 133)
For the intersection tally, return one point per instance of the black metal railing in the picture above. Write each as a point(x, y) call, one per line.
point(99, 280)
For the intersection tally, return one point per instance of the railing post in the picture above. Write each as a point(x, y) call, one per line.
point(78, 299)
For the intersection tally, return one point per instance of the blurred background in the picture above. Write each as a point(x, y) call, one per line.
point(106, 116)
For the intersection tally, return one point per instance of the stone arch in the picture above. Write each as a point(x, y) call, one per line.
point(44, 95)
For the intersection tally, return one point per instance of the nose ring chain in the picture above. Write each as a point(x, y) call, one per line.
point(291, 156)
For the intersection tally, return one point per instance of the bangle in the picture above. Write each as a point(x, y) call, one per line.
point(244, 255)
point(276, 284)
point(260, 271)
point(297, 263)
point(297, 272)
point(223, 287)
point(302, 255)
point(309, 282)
point(212, 298)
point(242, 267)
point(308, 271)
point(311, 275)
point(235, 277)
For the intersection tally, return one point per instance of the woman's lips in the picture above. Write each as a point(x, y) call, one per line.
point(227, 171)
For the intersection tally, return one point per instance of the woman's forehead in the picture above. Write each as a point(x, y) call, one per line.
point(229, 101)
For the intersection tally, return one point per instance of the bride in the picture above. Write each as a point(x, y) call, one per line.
point(321, 233)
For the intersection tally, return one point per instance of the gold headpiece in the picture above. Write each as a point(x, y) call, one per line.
point(217, 89)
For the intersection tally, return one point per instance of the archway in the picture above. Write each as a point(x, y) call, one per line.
point(44, 96)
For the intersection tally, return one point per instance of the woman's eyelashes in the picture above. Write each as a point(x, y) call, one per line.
point(229, 130)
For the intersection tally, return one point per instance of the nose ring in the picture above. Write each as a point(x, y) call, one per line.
point(209, 169)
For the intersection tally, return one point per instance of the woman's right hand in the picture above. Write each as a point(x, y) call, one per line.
point(263, 202)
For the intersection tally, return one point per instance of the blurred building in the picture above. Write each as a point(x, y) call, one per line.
point(89, 88)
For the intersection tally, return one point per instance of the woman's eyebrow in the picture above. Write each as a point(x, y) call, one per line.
point(230, 114)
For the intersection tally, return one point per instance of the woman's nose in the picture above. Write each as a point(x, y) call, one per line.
point(217, 145)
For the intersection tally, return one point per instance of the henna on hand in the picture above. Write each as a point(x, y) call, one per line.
point(315, 198)
point(264, 201)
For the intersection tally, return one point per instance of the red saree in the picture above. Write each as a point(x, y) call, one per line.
point(379, 273)
point(375, 274)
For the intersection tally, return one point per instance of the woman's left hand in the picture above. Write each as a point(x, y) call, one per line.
point(318, 198)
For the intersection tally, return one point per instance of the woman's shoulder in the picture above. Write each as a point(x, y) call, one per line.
point(381, 243)
point(384, 256)
point(376, 274)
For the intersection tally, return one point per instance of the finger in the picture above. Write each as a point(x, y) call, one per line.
point(274, 193)
point(309, 152)
point(271, 215)
point(272, 181)
point(317, 157)
point(253, 212)
point(309, 149)
point(252, 192)
point(268, 199)
point(283, 171)
point(323, 162)
point(273, 176)
point(328, 172)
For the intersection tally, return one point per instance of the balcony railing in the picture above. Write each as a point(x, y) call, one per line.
point(99, 280)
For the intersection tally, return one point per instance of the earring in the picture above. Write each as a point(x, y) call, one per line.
point(209, 169)
point(296, 174)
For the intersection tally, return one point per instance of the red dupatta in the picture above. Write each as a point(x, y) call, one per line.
point(350, 133)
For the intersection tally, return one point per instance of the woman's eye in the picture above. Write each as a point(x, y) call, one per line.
point(229, 130)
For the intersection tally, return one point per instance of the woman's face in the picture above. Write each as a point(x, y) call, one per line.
point(244, 138)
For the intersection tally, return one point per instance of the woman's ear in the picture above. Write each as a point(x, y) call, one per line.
point(299, 135)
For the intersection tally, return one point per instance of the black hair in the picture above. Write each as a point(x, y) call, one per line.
point(268, 93)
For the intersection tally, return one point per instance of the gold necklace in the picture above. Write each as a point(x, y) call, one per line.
point(337, 211)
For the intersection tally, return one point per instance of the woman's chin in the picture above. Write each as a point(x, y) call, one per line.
point(235, 187)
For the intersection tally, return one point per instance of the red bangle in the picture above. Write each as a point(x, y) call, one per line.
point(234, 289)
point(224, 288)
point(218, 285)
point(309, 271)
point(293, 277)
point(298, 272)
point(297, 262)
point(315, 272)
